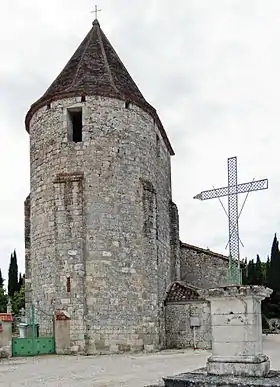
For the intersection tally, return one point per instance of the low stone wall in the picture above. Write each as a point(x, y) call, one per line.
point(179, 316)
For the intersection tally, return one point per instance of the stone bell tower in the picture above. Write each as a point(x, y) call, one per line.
point(100, 237)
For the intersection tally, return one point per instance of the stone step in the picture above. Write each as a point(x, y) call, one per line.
point(193, 379)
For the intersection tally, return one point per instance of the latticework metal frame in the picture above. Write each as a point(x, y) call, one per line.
point(233, 217)
point(232, 191)
point(255, 185)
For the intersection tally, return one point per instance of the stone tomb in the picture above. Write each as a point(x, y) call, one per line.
point(237, 351)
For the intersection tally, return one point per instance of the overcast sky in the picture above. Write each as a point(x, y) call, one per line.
point(210, 68)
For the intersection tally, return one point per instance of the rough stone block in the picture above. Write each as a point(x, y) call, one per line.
point(232, 305)
point(5, 352)
point(235, 319)
point(239, 365)
point(199, 378)
point(229, 333)
point(149, 348)
point(240, 348)
point(74, 349)
point(124, 347)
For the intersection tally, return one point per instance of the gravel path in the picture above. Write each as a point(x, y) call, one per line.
point(110, 371)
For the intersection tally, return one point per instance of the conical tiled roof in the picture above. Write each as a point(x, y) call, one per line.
point(96, 69)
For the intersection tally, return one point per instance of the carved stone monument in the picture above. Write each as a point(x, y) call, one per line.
point(237, 331)
point(237, 346)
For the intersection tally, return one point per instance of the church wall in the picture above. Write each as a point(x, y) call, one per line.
point(175, 242)
point(27, 225)
point(202, 268)
point(179, 333)
point(100, 223)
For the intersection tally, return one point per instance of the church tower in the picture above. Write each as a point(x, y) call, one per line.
point(101, 228)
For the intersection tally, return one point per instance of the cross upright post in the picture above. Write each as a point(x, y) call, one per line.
point(233, 218)
point(232, 191)
point(96, 10)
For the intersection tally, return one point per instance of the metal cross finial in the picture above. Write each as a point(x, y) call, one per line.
point(96, 10)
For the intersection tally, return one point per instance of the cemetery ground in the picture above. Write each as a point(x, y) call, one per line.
point(127, 370)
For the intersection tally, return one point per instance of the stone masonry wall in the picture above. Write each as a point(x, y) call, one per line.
point(202, 268)
point(175, 242)
point(179, 333)
point(100, 223)
point(69, 243)
point(28, 296)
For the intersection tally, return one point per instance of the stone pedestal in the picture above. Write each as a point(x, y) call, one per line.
point(237, 351)
point(237, 331)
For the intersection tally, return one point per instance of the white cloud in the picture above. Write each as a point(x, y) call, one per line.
point(210, 68)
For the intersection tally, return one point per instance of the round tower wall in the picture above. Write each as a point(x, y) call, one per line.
point(100, 223)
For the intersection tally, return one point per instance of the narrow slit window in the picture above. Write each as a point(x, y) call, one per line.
point(75, 125)
point(150, 210)
point(158, 146)
point(68, 285)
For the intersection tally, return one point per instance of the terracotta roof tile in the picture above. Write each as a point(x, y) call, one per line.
point(179, 291)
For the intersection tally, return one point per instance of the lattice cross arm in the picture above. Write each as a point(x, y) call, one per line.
point(240, 188)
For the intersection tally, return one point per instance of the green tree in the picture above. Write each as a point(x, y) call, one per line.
point(271, 305)
point(3, 295)
point(251, 273)
point(263, 264)
point(274, 267)
point(244, 266)
point(1, 280)
point(13, 275)
point(258, 272)
point(20, 281)
point(266, 270)
point(18, 300)
point(3, 301)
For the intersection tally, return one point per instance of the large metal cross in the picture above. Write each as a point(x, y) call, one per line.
point(232, 191)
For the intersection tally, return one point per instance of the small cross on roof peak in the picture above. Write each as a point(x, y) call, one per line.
point(95, 11)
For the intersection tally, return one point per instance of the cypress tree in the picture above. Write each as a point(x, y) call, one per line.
point(271, 305)
point(266, 270)
point(20, 282)
point(251, 273)
point(245, 272)
point(1, 280)
point(3, 296)
point(267, 264)
point(13, 275)
point(3, 301)
point(258, 272)
point(274, 267)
